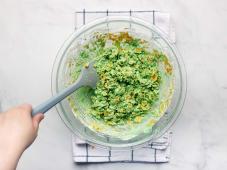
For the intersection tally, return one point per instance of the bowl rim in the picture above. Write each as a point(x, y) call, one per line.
point(84, 28)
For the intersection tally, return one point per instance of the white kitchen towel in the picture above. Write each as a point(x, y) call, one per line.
point(154, 152)
point(157, 151)
point(161, 19)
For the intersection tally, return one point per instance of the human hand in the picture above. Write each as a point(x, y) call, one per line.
point(18, 129)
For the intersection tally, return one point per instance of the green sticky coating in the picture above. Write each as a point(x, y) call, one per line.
point(130, 77)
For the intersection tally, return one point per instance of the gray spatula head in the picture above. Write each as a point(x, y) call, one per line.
point(88, 77)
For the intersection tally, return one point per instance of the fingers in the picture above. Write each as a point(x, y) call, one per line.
point(37, 119)
point(26, 107)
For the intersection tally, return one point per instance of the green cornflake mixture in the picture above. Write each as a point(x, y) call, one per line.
point(129, 77)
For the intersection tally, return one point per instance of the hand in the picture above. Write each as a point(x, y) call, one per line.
point(18, 130)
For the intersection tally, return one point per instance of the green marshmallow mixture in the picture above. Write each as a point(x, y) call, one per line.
point(131, 75)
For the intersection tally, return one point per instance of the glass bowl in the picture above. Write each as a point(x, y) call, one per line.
point(146, 31)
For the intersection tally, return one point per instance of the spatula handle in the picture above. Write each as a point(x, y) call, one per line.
point(48, 104)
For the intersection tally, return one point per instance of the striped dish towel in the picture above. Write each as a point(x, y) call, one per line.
point(158, 18)
point(153, 152)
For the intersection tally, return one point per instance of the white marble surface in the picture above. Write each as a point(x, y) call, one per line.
point(31, 32)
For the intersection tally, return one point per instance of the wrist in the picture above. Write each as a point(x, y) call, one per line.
point(9, 156)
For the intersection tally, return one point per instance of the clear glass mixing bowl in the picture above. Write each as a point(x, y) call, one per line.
point(148, 32)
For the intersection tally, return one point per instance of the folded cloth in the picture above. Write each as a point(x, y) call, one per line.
point(157, 151)
point(160, 19)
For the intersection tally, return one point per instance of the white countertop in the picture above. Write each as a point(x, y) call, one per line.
point(31, 33)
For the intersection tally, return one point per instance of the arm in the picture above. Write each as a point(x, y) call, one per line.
point(18, 130)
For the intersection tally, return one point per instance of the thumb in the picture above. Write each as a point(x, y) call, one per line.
point(37, 119)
